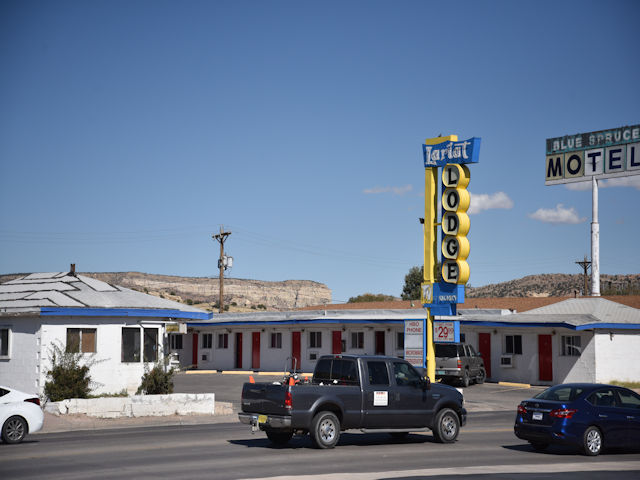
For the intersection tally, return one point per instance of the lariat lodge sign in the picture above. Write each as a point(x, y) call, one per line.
point(601, 154)
point(451, 156)
point(442, 290)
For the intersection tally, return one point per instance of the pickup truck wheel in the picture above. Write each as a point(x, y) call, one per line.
point(447, 426)
point(325, 430)
point(279, 437)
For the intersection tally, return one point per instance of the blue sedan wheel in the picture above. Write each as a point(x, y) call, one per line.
point(592, 441)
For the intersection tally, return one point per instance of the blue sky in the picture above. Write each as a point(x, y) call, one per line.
point(130, 131)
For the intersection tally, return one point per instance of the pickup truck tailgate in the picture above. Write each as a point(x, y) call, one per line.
point(265, 398)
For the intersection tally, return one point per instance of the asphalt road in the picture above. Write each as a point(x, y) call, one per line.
point(486, 449)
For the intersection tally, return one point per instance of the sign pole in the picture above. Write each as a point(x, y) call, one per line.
point(430, 255)
point(595, 240)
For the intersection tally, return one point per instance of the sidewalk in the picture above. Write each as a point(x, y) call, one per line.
point(68, 423)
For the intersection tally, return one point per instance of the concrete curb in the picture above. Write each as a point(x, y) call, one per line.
point(137, 405)
point(517, 385)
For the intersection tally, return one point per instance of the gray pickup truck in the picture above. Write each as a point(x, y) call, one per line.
point(459, 362)
point(372, 394)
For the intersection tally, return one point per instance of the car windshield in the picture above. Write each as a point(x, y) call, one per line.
point(446, 350)
point(560, 393)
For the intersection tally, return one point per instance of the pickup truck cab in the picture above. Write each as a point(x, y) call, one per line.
point(369, 393)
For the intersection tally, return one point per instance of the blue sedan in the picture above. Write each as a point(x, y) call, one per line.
point(589, 416)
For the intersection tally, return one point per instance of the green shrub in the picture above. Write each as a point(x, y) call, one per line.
point(156, 381)
point(69, 379)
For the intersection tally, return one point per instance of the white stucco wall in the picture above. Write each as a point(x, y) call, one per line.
point(603, 357)
point(21, 369)
point(108, 373)
point(526, 368)
point(274, 359)
point(618, 354)
point(568, 369)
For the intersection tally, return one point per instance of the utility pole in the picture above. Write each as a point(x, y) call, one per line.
point(585, 265)
point(222, 264)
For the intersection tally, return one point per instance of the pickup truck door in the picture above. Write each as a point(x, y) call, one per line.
point(375, 395)
point(411, 403)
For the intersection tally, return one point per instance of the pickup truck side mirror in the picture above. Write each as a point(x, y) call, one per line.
point(426, 383)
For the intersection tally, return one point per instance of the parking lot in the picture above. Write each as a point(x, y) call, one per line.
point(488, 397)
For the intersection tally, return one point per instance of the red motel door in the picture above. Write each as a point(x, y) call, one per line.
point(484, 347)
point(295, 351)
point(194, 351)
point(337, 342)
point(238, 349)
point(545, 361)
point(255, 350)
point(380, 343)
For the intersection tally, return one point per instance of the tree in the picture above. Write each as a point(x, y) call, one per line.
point(371, 297)
point(412, 282)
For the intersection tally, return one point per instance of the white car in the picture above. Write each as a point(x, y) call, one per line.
point(20, 413)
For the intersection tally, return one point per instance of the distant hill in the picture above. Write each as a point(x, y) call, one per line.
point(557, 285)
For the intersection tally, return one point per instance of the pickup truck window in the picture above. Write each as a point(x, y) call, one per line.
point(336, 371)
point(405, 374)
point(378, 374)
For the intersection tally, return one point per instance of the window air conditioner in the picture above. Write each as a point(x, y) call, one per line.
point(506, 361)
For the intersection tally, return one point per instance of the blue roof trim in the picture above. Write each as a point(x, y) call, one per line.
point(618, 326)
point(568, 326)
point(588, 326)
point(124, 312)
point(288, 322)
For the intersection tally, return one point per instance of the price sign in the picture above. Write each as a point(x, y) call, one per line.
point(446, 332)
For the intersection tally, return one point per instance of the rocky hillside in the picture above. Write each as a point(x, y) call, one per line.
point(239, 295)
point(556, 285)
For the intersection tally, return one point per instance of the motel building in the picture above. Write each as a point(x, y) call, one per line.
point(572, 340)
point(528, 340)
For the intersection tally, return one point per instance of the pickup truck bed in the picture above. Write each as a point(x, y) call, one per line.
point(353, 392)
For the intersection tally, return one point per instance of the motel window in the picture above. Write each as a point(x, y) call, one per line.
point(276, 340)
point(5, 335)
point(175, 341)
point(357, 340)
point(571, 346)
point(130, 344)
point(150, 344)
point(81, 340)
point(513, 344)
point(400, 340)
point(223, 340)
point(207, 340)
point(315, 339)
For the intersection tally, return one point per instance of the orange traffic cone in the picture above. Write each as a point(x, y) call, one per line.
point(251, 380)
point(291, 381)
